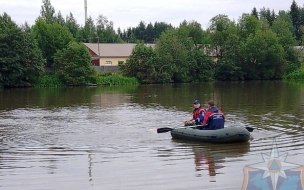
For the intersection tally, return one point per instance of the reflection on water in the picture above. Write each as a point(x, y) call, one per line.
point(212, 157)
point(213, 161)
point(105, 138)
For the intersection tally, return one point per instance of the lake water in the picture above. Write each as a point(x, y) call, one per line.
point(105, 137)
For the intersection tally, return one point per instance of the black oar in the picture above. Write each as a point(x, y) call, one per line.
point(167, 129)
point(164, 130)
point(250, 129)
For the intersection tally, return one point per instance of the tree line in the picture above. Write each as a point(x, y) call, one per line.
point(258, 46)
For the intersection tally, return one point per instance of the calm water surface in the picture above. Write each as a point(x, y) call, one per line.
point(105, 137)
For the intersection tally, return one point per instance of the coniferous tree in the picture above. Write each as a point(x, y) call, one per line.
point(47, 11)
point(295, 17)
point(254, 12)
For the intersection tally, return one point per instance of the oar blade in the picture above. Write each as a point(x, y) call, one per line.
point(250, 129)
point(164, 130)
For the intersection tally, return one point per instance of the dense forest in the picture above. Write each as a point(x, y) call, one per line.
point(260, 45)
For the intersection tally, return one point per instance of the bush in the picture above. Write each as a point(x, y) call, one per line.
point(115, 79)
point(48, 80)
point(73, 65)
point(296, 75)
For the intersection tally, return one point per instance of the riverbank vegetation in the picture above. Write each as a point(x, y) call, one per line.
point(261, 45)
point(101, 79)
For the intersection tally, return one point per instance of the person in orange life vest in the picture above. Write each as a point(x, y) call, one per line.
point(197, 115)
point(214, 118)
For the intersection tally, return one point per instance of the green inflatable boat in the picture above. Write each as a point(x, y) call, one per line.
point(225, 135)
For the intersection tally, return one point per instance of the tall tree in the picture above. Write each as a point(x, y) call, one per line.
point(140, 31)
point(281, 28)
point(287, 18)
point(295, 17)
point(173, 49)
point(73, 27)
point(254, 12)
point(194, 31)
point(48, 12)
point(20, 58)
point(263, 56)
point(150, 33)
point(105, 30)
point(218, 28)
point(88, 32)
point(285, 37)
point(51, 37)
point(248, 24)
point(59, 19)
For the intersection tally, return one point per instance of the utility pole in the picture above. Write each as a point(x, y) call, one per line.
point(98, 46)
point(85, 12)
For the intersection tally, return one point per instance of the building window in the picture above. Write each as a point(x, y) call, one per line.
point(108, 63)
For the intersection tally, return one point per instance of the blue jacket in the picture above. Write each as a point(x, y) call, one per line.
point(214, 119)
point(198, 115)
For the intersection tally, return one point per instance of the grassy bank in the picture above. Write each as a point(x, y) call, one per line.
point(48, 80)
point(108, 79)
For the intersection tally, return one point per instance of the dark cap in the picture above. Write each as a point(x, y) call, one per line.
point(196, 102)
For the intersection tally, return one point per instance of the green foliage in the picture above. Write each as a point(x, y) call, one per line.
point(228, 71)
point(177, 57)
point(254, 13)
point(73, 27)
point(248, 24)
point(263, 56)
point(259, 46)
point(47, 12)
point(142, 64)
point(115, 79)
point(148, 33)
point(295, 14)
point(51, 38)
point(20, 58)
point(48, 80)
point(106, 74)
point(292, 67)
point(105, 31)
point(219, 28)
point(194, 31)
point(284, 35)
point(73, 64)
point(201, 68)
point(173, 48)
point(296, 75)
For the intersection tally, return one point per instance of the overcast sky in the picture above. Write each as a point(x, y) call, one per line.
point(128, 13)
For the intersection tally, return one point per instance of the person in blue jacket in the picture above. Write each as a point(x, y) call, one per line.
point(214, 118)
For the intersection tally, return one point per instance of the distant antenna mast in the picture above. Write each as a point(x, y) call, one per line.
point(85, 11)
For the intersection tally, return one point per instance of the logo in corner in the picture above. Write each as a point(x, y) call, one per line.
point(273, 173)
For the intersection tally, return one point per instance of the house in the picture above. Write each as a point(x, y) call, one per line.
point(108, 56)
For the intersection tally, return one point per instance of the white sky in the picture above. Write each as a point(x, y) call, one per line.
point(128, 13)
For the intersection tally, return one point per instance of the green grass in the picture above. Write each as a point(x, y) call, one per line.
point(296, 75)
point(48, 80)
point(115, 79)
point(108, 78)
